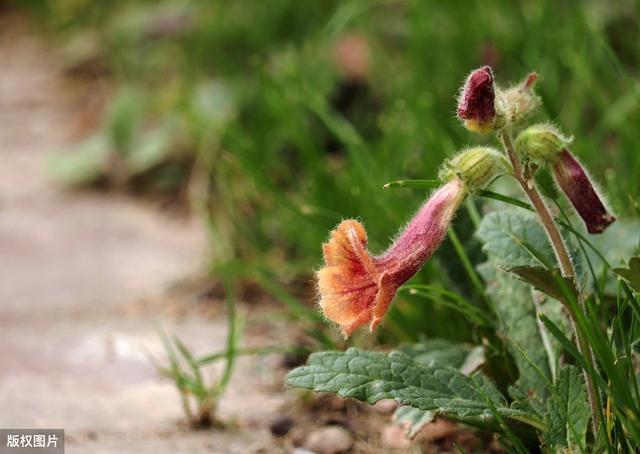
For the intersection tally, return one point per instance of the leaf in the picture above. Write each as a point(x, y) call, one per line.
point(516, 312)
point(371, 376)
point(548, 282)
point(504, 234)
point(412, 418)
point(440, 352)
point(150, 149)
point(84, 164)
point(429, 353)
point(631, 273)
point(516, 238)
point(413, 184)
point(568, 412)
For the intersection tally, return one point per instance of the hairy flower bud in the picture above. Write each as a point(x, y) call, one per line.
point(357, 287)
point(476, 167)
point(519, 101)
point(577, 186)
point(476, 103)
point(541, 143)
point(545, 145)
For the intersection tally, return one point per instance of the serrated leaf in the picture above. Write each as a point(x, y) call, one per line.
point(439, 352)
point(442, 352)
point(518, 324)
point(631, 274)
point(504, 234)
point(546, 281)
point(568, 412)
point(413, 419)
point(371, 376)
point(516, 238)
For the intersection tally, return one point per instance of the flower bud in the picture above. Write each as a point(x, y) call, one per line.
point(541, 143)
point(476, 167)
point(577, 186)
point(519, 101)
point(476, 104)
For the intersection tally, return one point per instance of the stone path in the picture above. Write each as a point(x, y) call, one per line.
point(75, 269)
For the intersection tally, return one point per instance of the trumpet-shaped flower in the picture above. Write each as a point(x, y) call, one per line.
point(357, 287)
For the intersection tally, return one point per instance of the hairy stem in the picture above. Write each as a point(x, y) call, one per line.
point(564, 261)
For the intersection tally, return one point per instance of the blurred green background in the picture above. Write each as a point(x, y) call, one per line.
point(275, 119)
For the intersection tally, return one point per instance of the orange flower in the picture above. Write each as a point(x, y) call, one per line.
point(357, 287)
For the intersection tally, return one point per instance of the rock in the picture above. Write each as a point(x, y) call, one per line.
point(394, 437)
point(302, 451)
point(385, 406)
point(329, 440)
point(280, 426)
point(439, 429)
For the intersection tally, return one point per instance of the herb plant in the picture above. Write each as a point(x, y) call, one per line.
point(572, 343)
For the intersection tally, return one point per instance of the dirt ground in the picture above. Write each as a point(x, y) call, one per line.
point(85, 276)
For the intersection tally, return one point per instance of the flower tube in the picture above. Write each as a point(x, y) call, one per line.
point(357, 287)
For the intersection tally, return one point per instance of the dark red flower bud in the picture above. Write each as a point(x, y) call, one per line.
point(476, 105)
point(579, 189)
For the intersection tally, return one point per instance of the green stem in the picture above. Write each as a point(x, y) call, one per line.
point(564, 261)
point(468, 266)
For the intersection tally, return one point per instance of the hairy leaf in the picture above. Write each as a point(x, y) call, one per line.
point(445, 353)
point(518, 324)
point(568, 412)
point(436, 352)
point(548, 282)
point(371, 376)
point(412, 418)
point(516, 239)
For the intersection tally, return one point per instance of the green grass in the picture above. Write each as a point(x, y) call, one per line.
point(276, 147)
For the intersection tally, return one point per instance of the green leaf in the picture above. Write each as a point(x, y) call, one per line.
point(515, 239)
point(568, 412)
point(150, 149)
point(371, 376)
point(516, 312)
point(84, 164)
point(436, 352)
point(412, 418)
point(546, 281)
point(413, 184)
point(631, 273)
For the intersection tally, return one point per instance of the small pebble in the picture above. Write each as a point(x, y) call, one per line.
point(394, 437)
point(439, 429)
point(385, 406)
point(280, 426)
point(302, 451)
point(329, 440)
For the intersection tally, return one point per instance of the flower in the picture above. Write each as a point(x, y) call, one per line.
point(577, 186)
point(357, 287)
point(476, 104)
